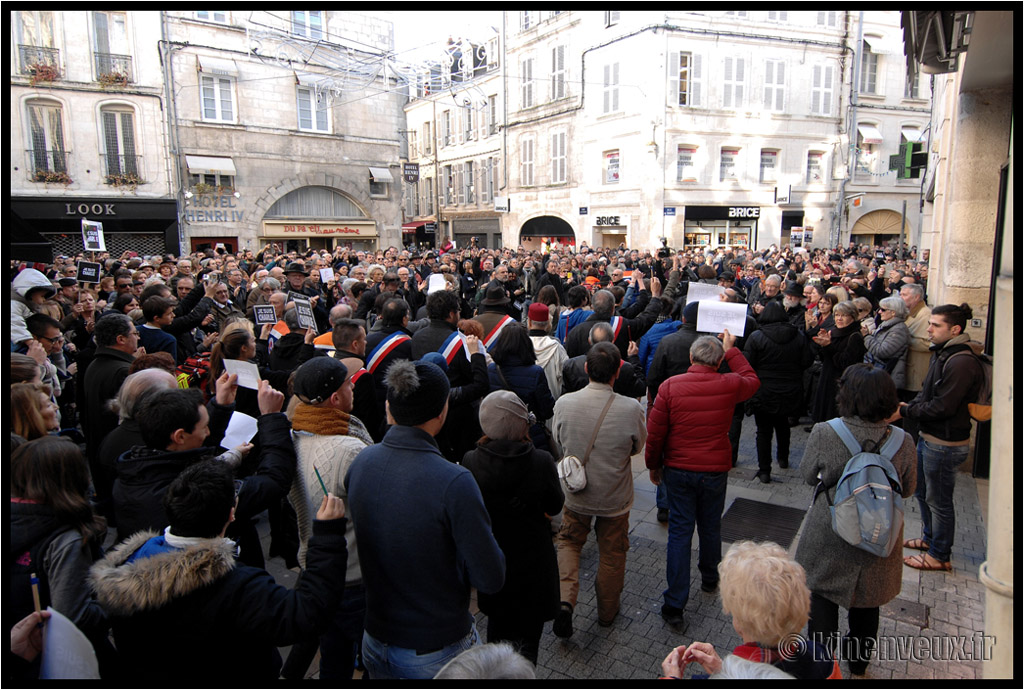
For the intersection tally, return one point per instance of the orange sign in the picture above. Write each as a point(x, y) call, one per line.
point(305, 229)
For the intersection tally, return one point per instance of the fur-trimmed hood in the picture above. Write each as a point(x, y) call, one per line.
point(124, 588)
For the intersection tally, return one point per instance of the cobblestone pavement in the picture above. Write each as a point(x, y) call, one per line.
point(931, 604)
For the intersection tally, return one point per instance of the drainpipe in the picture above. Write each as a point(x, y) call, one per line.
point(851, 127)
point(172, 125)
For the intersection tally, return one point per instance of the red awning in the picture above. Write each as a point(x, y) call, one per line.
point(409, 228)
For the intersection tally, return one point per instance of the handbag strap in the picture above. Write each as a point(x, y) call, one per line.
point(600, 421)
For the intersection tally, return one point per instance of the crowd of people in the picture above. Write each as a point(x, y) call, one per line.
point(405, 412)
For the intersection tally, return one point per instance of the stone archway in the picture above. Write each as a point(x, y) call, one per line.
point(300, 180)
point(533, 232)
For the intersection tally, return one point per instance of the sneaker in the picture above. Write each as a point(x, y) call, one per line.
point(672, 615)
point(765, 477)
point(708, 587)
point(662, 514)
point(562, 626)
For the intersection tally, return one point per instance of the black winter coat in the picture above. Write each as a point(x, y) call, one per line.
point(630, 382)
point(780, 354)
point(519, 485)
point(847, 347)
point(531, 385)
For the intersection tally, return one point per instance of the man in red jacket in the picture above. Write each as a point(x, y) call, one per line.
point(688, 448)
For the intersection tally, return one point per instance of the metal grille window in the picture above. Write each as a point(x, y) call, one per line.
point(729, 169)
point(686, 168)
point(558, 158)
point(312, 118)
point(46, 134)
point(822, 77)
point(557, 72)
point(526, 158)
point(814, 170)
point(122, 160)
point(611, 88)
point(218, 99)
point(774, 85)
point(769, 166)
point(733, 82)
point(308, 24)
point(526, 76)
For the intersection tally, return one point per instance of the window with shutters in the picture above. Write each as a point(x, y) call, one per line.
point(308, 24)
point(815, 173)
point(526, 149)
point(684, 79)
point(558, 73)
point(428, 195)
point(729, 168)
point(525, 20)
point(912, 89)
point(686, 163)
point(868, 70)
point(828, 19)
point(312, 116)
point(46, 140)
point(769, 166)
point(867, 157)
point(733, 81)
point(492, 114)
point(412, 201)
point(526, 78)
point(449, 186)
point(558, 158)
point(113, 62)
point(822, 87)
point(121, 161)
point(775, 85)
point(611, 88)
point(738, 14)
point(428, 141)
point(778, 16)
point(469, 182)
point(414, 147)
point(217, 95)
point(459, 196)
point(612, 18)
point(468, 130)
point(611, 167)
point(446, 128)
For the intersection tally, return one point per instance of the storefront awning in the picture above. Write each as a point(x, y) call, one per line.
point(381, 175)
point(209, 165)
point(409, 228)
point(212, 65)
point(912, 134)
point(870, 134)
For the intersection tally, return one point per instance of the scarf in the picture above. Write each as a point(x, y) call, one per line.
point(322, 421)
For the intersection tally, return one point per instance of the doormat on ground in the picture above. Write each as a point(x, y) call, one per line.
point(759, 521)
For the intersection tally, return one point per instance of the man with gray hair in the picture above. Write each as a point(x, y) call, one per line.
point(688, 448)
point(127, 434)
point(603, 304)
point(630, 382)
point(919, 354)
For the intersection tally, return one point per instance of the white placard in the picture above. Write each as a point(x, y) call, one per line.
point(714, 317)
point(436, 282)
point(241, 429)
point(67, 652)
point(326, 274)
point(703, 291)
point(248, 373)
point(92, 236)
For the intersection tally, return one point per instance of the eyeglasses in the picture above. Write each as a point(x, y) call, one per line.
point(58, 339)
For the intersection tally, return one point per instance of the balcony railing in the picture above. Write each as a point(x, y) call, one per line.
point(114, 69)
point(39, 63)
point(49, 166)
point(122, 170)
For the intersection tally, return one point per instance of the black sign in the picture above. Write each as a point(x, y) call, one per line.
point(430, 228)
point(296, 296)
point(723, 212)
point(305, 312)
point(411, 172)
point(88, 272)
point(265, 313)
point(608, 220)
point(584, 210)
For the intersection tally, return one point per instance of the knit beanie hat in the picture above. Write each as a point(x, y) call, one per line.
point(690, 312)
point(318, 379)
point(436, 358)
point(417, 392)
point(503, 416)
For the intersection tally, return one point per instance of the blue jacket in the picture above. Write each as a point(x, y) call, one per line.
point(424, 539)
point(571, 320)
point(649, 343)
point(158, 340)
point(531, 385)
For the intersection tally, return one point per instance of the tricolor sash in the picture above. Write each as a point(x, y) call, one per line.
point(492, 337)
point(383, 349)
point(279, 329)
point(359, 373)
point(616, 324)
point(451, 347)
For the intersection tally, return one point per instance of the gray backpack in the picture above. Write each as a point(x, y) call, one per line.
point(867, 511)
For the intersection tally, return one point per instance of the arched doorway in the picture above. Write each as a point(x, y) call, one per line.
point(879, 227)
point(551, 228)
point(317, 218)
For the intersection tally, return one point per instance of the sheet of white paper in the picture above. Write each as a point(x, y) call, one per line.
point(67, 652)
point(435, 282)
point(701, 291)
point(241, 429)
point(326, 274)
point(248, 373)
point(714, 317)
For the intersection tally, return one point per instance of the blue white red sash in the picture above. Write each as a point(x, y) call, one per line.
point(492, 337)
point(383, 349)
point(279, 329)
point(616, 324)
point(359, 373)
point(451, 347)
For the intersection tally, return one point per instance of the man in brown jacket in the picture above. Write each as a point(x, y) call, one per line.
point(919, 354)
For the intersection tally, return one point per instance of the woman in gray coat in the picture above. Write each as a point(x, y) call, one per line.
point(887, 346)
point(838, 574)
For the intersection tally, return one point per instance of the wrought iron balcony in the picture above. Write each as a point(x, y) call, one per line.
point(122, 170)
point(42, 64)
point(114, 69)
point(48, 166)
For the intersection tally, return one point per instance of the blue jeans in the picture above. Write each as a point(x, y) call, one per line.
point(693, 498)
point(936, 478)
point(661, 496)
point(385, 661)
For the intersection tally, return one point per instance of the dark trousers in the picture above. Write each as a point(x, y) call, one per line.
point(823, 628)
point(339, 645)
point(735, 429)
point(522, 632)
point(767, 426)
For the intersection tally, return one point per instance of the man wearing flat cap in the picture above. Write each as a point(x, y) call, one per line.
point(423, 532)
